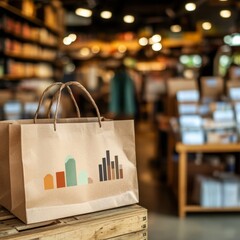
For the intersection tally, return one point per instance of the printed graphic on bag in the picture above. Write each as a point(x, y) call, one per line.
point(108, 170)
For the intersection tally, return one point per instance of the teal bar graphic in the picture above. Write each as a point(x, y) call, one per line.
point(71, 175)
point(82, 178)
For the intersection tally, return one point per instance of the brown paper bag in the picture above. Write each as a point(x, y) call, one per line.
point(53, 169)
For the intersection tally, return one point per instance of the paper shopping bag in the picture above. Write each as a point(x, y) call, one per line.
point(81, 166)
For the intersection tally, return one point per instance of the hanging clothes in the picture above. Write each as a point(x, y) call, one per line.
point(122, 94)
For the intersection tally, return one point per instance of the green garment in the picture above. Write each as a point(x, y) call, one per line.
point(122, 99)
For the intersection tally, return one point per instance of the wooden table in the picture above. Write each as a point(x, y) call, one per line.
point(123, 223)
point(183, 150)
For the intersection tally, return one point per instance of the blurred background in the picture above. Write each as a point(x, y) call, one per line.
point(172, 66)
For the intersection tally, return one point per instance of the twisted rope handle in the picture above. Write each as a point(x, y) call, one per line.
point(58, 94)
point(73, 99)
point(42, 97)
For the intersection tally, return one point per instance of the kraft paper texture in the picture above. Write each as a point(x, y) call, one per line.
point(79, 168)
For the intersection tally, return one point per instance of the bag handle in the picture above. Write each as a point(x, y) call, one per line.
point(62, 86)
point(72, 97)
point(42, 97)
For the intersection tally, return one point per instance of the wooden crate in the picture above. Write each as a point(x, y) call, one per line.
point(118, 224)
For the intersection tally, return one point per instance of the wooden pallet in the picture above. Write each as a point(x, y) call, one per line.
point(117, 224)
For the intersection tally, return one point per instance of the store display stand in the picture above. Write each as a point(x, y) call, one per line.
point(128, 222)
point(183, 150)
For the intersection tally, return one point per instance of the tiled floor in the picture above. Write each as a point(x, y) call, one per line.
point(161, 204)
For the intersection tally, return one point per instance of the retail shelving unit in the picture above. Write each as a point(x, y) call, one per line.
point(183, 151)
point(27, 41)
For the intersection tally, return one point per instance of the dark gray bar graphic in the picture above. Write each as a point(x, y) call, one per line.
point(117, 167)
point(104, 169)
point(108, 165)
point(100, 172)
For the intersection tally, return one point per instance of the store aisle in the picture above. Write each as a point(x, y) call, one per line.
point(157, 198)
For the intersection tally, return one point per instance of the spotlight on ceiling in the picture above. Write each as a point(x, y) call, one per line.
point(143, 41)
point(190, 6)
point(83, 12)
point(225, 13)
point(156, 38)
point(128, 19)
point(176, 28)
point(73, 36)
point(122, 48)
point(206, 25)
point(106, 14)
point(156, 47)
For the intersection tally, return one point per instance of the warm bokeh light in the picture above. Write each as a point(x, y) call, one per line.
point(143, 41)
point(128, 19)
point(156, 38)
point(156, 47)
point(176, 28)
point(106, 14)
point(84, 52)
point(190, 6)
point(225, 13)
point(67, 41)
point(206, 25)
point(95, 49)
point(72, 36)
point(83, 12)
point(122, 48)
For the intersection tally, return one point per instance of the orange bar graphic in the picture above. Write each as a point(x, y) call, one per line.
point(60, 176)
point(48, 182)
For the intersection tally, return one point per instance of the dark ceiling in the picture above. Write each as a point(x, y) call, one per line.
point(157, 14)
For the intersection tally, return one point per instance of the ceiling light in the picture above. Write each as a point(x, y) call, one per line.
point(190, 6)
point(206, 25)
point(156, 38)
point(156, 47)
point(95, 49)
point(72, 36)
point(106, 14)
point(67, 41)
point(225, 13)
point(85, 52)
point(83, 12)
point(122, 48)
point(176, 28)
point(143, 41)
point(128, 19)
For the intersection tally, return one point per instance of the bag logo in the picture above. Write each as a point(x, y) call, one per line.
point(108, 170)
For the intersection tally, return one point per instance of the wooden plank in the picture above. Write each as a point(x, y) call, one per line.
point(4, 214)
point(142, 235)
point(233, 147)
point(107, 224)
point(197, 208)
point(182, 184)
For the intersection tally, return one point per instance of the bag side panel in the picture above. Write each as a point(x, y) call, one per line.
point(16, 173)
point(5, 192)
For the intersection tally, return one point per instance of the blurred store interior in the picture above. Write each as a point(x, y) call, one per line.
point(173, 66)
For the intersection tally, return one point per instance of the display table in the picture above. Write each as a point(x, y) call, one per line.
point(128, 222)
point(183, 150)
